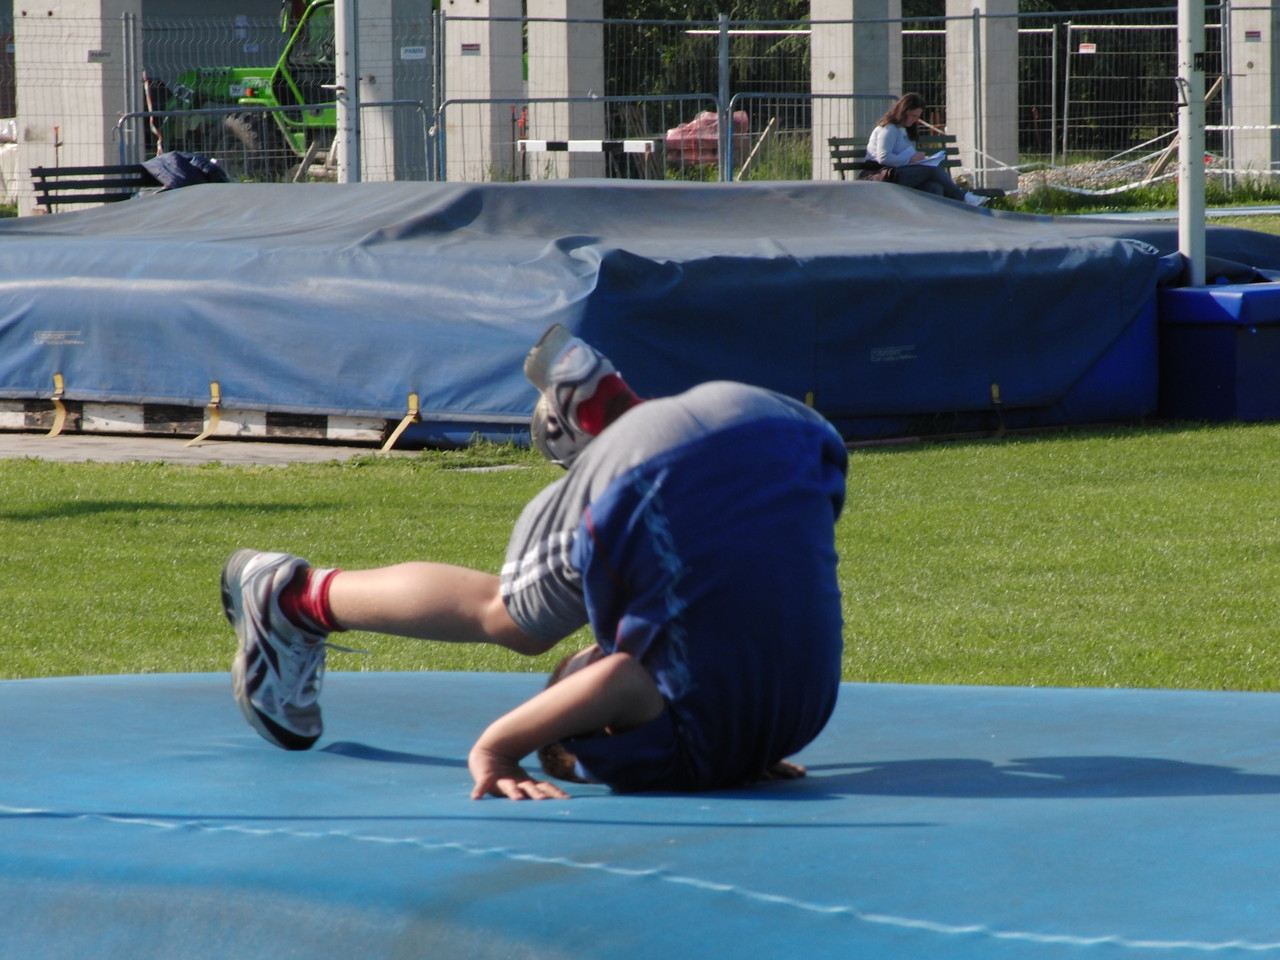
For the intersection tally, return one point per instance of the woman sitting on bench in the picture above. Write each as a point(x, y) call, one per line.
point(893, 144)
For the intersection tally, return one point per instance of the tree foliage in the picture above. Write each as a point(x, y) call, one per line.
point(799, 9)
point(706, 9)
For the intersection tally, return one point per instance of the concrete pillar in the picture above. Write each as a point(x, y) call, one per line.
point(72, 68)
point(566, 59)
point(346, 139)
point(982, 88)
point(1255, 87)
point(395, 65)
point(483, 60)
point(855, 54)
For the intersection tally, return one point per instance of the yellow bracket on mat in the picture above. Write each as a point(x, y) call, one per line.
point(412, 416)
point(213, 414)
point(59, 408)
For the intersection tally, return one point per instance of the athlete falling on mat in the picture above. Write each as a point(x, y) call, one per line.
point(694, 533)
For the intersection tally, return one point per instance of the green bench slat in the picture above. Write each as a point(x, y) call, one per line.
point(56, 186)
point(849, 154)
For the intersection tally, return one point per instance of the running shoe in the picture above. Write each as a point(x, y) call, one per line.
point(278, 667)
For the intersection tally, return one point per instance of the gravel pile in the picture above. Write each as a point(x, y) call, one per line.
point(1099, 174)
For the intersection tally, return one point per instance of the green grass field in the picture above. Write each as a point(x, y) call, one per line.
point(1132, 557)
point(1129, 557)
point(1263, 222)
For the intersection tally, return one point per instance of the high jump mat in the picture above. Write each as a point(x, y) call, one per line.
point(140, 817)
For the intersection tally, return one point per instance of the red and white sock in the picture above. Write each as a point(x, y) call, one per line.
point(305, 601)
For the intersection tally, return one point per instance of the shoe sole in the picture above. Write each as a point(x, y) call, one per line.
point(537, 365)
point(267, 728)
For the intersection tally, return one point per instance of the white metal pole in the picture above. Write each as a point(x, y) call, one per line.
point(347, 92)
point(1066, 90)
point(1191, 242)
point(979, 84)
point(1053, 97)
point(726, 116)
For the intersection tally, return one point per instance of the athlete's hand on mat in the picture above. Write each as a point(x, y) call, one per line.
point(497, 776)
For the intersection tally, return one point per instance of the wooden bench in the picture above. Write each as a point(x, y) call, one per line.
point(57, 186)
point(849, 154)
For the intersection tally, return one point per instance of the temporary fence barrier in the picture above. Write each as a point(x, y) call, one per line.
point(249, 144)
point(1095, 90)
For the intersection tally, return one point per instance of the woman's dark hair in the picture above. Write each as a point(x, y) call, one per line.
point(897, 114)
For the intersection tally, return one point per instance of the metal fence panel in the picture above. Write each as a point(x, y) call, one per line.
point(1096, 96)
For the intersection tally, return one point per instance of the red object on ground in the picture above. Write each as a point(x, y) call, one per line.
point(698, 141)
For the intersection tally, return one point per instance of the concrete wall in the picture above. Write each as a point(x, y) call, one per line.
point(72, 121)
point(483, 61)
point(565, 60)
point(176, 8)
point(852, 59)
point(392, 70)
point(1254, 87)
point(212, 9)
point(982, 88)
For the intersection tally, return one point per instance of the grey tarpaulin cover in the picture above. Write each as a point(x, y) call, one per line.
point(875, 302)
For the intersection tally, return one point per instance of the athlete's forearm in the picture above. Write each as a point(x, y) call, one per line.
point(615, 693)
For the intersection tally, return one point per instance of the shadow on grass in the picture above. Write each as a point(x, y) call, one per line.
point(88, 508)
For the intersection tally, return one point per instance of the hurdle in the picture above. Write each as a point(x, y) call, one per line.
point(643, 148)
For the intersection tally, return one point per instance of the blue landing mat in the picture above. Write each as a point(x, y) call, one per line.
point(141, 818)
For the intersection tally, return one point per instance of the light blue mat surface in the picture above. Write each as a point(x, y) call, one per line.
point(140, 817)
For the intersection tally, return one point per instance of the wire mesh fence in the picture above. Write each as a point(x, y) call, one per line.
point(194, 73)
point(283, 144)
point(1096, 98)
point(8, 87)
point(261, 100)
point(924, 67)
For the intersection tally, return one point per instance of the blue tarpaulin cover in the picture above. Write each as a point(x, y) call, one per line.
point(343, 299)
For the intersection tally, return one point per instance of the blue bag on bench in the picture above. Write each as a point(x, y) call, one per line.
point(179, 169)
